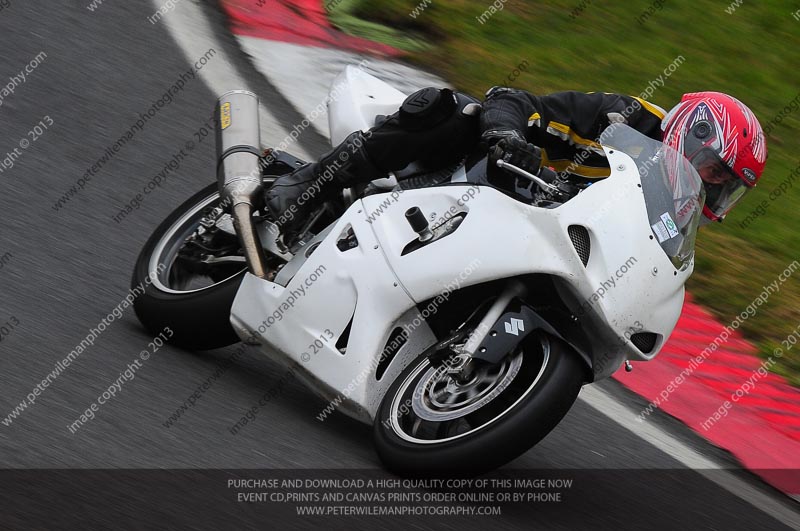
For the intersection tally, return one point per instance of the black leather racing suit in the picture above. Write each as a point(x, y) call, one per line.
point(566, 125)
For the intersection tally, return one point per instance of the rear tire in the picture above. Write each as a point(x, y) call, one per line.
point(200, 318)
point(492, 438)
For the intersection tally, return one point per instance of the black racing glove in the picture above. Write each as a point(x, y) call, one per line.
point(511, 146)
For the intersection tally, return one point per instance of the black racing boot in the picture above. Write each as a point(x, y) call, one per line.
point(294, 197)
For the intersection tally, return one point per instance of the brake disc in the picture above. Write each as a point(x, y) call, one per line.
point(439, 397)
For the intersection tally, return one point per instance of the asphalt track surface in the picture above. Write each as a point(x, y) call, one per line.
point(68, 269)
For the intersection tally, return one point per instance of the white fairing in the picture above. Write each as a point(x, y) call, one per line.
point(380, 288)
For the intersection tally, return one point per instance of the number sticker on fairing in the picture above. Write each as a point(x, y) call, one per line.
point(669, 224)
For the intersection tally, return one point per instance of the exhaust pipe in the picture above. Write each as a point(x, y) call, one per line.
point(238, 171)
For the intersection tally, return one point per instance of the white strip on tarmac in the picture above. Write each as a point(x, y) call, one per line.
point(289, 66)
point(625, 416)
point(192, 31)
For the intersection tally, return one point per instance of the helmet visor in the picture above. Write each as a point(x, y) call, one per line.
point(723, 187)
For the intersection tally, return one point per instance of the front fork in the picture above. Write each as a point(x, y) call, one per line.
point(473, 348)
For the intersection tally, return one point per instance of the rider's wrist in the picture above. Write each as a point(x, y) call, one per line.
point(493, 136)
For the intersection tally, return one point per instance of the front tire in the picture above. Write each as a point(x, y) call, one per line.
point(428, 425)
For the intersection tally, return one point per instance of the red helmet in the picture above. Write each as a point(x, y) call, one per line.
point(710, 127)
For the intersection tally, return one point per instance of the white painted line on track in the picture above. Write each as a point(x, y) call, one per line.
point(194, 35)
point(289, 66)
point(626, 417)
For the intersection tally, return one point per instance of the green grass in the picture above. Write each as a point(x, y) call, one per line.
point(343, 15)
point(752, 54)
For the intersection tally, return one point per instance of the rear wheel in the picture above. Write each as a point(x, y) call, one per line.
point(436, 419)
point(196, 266)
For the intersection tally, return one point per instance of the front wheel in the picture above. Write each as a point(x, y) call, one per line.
point(434, 420)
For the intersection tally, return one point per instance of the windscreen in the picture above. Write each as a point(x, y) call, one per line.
point(673, 190)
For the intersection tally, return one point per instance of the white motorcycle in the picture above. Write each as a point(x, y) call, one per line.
point(460, 319)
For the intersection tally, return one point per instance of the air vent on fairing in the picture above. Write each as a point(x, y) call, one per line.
point(580, 240)
point(645, 341)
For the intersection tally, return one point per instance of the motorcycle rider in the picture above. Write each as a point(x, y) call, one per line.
point(717, 133)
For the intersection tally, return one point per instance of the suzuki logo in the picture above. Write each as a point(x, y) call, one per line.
point(514, 326)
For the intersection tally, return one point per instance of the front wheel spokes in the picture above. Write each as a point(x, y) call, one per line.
point(442, 409)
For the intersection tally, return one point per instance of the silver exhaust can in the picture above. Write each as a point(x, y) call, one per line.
point(238, 171)
point(238, 148)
